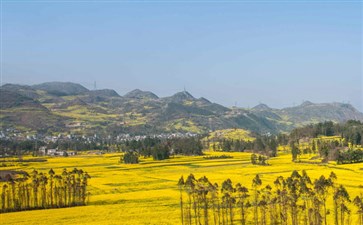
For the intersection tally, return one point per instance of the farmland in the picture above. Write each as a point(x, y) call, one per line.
point(147, 193)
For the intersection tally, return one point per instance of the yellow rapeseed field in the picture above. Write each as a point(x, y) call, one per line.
point(147, 193)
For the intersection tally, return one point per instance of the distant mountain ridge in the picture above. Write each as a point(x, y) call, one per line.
point(138, 94)
point(61, 88)
point(180, 97)
point(261, 106)
point(51, 106)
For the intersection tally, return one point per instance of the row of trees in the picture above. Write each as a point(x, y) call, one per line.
point(230, 145)
point(294, 200)
point(263, 144)
point(343, 149)
point(350, 134)
point(42, 191)
point(181, 146)
point(161, 149)
point(351, 131)
point(350, 156)
point(185, 146)
point(328, 150)
point(16, 147)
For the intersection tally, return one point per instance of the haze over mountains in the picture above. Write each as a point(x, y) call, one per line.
point(70, 107)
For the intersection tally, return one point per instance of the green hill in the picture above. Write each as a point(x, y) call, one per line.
point(58, 106)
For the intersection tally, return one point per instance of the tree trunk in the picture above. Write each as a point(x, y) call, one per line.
point(181, 207)
point(336, 213)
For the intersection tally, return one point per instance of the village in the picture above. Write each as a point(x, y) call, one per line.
point(15, 142)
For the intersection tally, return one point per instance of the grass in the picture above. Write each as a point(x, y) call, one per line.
point(147, 193)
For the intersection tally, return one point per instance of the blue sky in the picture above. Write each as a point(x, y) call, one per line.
point(278, 53)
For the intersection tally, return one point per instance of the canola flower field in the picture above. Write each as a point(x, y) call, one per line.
point(147, 193)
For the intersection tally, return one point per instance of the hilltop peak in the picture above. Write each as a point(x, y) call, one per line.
point(183, 94)
point(61, 88)
point(105, 92)
point(306, 103)
point(139, 94)
point(9, 86)
point(261, 106)
point(25, 90)
point(180, 97)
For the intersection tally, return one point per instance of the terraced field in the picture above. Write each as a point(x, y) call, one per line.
point(147, 193)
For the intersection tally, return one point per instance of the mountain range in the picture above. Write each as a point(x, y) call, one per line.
point(69, 107)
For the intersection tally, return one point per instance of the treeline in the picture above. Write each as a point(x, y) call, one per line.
point(160, 149)
point(342, 149)
point(230, 145)
point(295, 200)
point(13, 147)
point(16, 147)
point(183, 146)
point(263, 144)
point(43, 191)
point(351, 131)
point(350, 156)
point(328, 150)
point(350, 134)
point(81, 145)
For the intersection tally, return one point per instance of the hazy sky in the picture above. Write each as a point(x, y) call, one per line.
point(276, 53)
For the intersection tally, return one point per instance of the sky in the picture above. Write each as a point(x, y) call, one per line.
point(234, 53)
